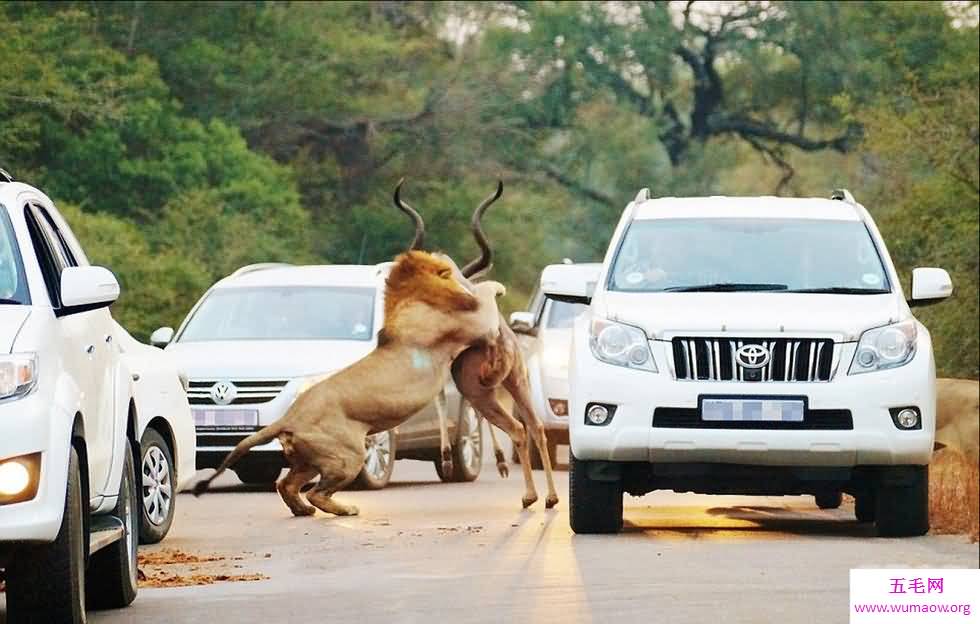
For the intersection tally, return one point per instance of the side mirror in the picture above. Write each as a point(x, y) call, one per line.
point(522, 323)
point(162, 336)
point(572, 283)
point(87, 288)
point(930, 285)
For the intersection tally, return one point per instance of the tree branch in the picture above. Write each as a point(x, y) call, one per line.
point(752, 129)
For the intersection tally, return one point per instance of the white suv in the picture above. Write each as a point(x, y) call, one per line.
point(267, 332)
point(67, 422)
point(755, 345)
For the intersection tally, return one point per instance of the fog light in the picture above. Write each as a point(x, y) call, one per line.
point(597, 414)
point(559, 407)
point(907, 418)
point(14, 478)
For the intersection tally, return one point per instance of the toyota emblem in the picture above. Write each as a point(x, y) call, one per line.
point(752, 356)
point(223, 392)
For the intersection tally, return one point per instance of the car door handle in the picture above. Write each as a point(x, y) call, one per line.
point(108, 338)
point(90, 349)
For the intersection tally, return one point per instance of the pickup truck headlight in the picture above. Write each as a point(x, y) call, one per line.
point(884, 347)
point(622, 345)
point(18, 374)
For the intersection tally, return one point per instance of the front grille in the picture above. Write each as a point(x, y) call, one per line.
point(212, 438)
point(248, 392)
point(690, 418)
point(791, 359)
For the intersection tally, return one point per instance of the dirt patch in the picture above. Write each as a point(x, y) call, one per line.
point(160, 578)
point(954, 494)
point(175, 568)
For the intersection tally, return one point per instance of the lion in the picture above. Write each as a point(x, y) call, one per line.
point(430, 317)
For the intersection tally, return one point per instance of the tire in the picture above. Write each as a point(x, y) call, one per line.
point(46, 583)
point(258, 473)
point(593, 506)
point(467, 448)
point(902, 502)
point(156, 484)
point(864, 507)
point(111, 579)
point(379, 462)
point(829, 500)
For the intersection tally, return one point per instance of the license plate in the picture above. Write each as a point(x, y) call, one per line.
point(243, 419)
point(778, 410)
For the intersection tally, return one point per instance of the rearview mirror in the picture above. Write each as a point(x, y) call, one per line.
point(162, 336)
point(573, 283)
point(522, 322)
point(87, 288)
point(930, 285)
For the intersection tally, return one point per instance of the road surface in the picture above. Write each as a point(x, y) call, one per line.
point(423, 551)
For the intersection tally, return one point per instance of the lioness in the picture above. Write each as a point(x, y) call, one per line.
point(430, 316)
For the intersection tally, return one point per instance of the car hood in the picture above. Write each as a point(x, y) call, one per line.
point(663, 315)
point(12, 318)
point(277, 359)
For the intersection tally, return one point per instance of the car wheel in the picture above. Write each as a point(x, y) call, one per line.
point(829, 500)
point(258, 473)
point(593, 506)
point(111, 579)
point(902, 502)
point(467, 448)
point(45, 583)
point(864, 507)
point(156, 488)
point(379, 461)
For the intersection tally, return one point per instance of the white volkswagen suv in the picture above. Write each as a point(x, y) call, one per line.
point(68, 426)
point(755, 345)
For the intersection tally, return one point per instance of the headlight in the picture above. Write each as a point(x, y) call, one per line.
point(622, 345)
point(884, 347)
point(18, 374)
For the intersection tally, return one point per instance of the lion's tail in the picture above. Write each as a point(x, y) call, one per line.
point(266, 434)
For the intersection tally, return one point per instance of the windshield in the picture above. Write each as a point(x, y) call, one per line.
point(13, 284)
point(561, 314)
point(737, 255)
point(283, 313)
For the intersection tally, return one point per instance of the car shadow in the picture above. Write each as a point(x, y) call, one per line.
point(760, 521)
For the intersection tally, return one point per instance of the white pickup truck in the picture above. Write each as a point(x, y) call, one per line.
point(69, 502)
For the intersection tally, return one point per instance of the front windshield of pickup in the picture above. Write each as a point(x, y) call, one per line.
point(13, 282)
point(748, 255)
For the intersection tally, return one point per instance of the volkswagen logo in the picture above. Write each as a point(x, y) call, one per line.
point(752, 356)
point(223, 392)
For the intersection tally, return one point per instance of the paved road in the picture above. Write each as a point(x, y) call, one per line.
point(427, 552)
point(422, 551)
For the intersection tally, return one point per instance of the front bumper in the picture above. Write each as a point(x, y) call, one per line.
point(874, 439)
point(31, 425)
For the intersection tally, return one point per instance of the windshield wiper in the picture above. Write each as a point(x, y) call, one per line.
point(10, 301)
point(842, 290)
point(727, 287)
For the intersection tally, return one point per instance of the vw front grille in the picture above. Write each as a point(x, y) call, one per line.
point(250, 391)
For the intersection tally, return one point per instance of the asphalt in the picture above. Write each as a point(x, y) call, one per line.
point(423, 551)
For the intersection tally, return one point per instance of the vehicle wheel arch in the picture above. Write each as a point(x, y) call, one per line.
point(81, 449)
point(161, 426)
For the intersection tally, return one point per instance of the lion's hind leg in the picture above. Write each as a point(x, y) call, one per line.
point(338, 466)
point(290, 485)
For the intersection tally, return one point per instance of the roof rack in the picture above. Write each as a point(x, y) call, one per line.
point(642, 196)
point(5, 177)
point(842, 194)
point(260, 266)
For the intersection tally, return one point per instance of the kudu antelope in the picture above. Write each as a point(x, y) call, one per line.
point(431, 315)
point(485, 368)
